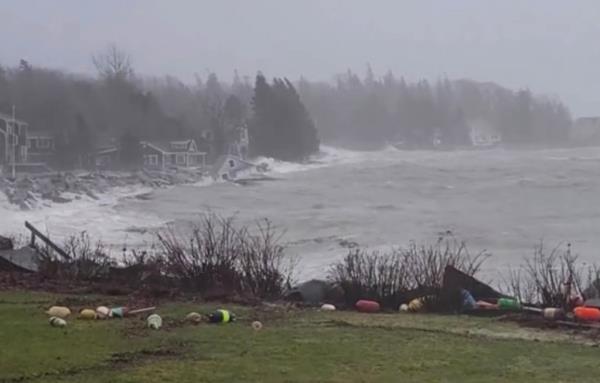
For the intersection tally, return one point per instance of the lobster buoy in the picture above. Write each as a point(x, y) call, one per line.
point(552, 313)
point(365, 306)
point(57, 322)
point(59, 311)
point(102, 312)
point(509, 304)
point(416, 305)
point(590, 314)
point(221, 316)
point(87, 314)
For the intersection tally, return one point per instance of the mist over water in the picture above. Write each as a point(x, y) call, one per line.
point(504, 201)
point(501, 200)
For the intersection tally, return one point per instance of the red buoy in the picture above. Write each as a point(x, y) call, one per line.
point(365, 306)
point(587, 314)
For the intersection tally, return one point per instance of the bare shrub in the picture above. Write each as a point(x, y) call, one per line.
point(548, 277)
point(425, 265)
point(378, 276)
point(518, 285)
point(396, 276)
point(218, 256)
point(262, 262)
point(88, 260)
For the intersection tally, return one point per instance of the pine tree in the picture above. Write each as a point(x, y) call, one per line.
point(281, 126)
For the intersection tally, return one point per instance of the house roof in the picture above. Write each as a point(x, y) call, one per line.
point(106, 150)
point(172, 146)
point(39, 134)
point(8, 117)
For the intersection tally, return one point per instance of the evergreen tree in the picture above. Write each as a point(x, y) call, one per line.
point(281, 126)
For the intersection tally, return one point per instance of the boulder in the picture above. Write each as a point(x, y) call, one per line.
point(315, 292)
point(6, 243)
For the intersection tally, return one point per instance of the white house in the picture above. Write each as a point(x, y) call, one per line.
point(229, 167)
point(162, 155)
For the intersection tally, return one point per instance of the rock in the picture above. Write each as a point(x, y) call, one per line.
point(6, 243)
point(315, 291)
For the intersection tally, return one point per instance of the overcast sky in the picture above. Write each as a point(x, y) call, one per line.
point(550, 46)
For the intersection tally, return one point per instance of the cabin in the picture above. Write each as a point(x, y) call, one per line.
point(229, 167)
point(41, 147)
point(170, 154)
point(586, 131)
point(13, 141)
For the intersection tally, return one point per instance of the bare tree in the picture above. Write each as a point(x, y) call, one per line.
point(113, 63)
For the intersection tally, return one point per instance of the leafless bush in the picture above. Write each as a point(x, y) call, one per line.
point(218, 256)
point(518, 285)
point(391, 277)
point(207, 258)
point(548, 277)
point(265, 271)
point(379, 276)
point(425, 265)
point(88, 260)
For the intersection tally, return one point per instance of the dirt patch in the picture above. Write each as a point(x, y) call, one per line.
point(146, 355)
point(576, 330)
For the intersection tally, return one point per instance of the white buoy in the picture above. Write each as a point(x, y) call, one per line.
point(257, 326)
point(102, 312)
point(57, 322)
point(154, 321)
point(403, 307)
point(328, 307)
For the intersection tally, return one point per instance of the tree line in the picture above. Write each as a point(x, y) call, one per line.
point(120, 108)
point(374, 111)
point(285, 120)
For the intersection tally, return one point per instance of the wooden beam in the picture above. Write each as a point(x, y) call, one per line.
point(36, 233)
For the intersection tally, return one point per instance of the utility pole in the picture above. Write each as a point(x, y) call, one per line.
point(14, 143)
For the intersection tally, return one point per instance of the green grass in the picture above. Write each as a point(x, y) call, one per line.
point(294, 346)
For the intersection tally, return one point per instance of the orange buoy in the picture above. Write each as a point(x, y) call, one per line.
point(365, 306)
point(587, 313)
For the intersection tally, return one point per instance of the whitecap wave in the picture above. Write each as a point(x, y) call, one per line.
point(327, 156)
point(102, 218)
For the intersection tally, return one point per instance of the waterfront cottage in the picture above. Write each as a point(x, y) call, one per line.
point(168, 154)
point(13, 141)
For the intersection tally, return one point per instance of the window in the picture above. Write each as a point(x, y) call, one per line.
point(150, 159)
point(23, 154)
point(179, 145)
point(30, 143)
point(43, 143)
point(180, 159)
point(231, 163)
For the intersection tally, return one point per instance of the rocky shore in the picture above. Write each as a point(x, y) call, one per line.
point(27, 192)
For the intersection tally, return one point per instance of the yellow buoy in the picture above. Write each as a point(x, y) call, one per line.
point(59, 311)
point(415, 305)
point(87, 314)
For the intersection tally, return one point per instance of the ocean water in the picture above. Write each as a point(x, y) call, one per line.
point(502, 201)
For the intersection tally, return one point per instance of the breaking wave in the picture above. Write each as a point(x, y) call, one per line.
point(101, 217)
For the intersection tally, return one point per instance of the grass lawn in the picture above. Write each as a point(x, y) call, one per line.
point(294, 346)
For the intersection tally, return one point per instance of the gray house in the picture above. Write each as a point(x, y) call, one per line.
point(13, 141)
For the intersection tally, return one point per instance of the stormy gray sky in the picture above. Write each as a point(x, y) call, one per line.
point(550, 46)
